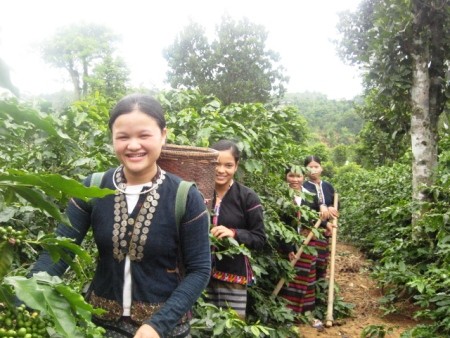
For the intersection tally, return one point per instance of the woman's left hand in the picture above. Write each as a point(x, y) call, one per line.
point(146, 331)
point(221, 231)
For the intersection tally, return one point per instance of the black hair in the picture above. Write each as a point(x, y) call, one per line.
point(311, 158)
point(141, 102)
point(228, 145)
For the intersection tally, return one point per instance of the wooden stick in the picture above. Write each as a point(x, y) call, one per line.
point(329, 316)
point(297, 257)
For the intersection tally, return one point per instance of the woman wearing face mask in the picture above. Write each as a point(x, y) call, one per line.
point(325, 195)
point(238, 214)
point(141, 249)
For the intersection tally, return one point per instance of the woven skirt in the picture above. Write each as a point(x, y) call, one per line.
point(227, 295)
point(301, 292)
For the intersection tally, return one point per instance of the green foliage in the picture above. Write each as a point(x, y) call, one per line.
point(334, 121)
point(66, 308)
point(211, 321)
point(376, 331)
point(109, 78)
point(236, 67)
point(412, 260)
point(76, 142)
point(385, 136)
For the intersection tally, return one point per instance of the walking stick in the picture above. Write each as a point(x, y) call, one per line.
point(329, 317)
point(297, 256)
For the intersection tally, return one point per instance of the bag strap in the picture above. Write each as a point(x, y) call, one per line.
point(180, 200)
point(96, 179)
point(180, 208)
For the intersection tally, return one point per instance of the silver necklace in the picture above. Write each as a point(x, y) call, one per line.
point(129, 234)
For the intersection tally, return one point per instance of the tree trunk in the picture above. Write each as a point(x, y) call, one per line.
point(75, 79)
point(423, 116)
point(423, 138)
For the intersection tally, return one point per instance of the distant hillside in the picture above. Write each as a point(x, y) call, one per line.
point(333, 121)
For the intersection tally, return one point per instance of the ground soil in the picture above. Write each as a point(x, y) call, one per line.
point(352, 275)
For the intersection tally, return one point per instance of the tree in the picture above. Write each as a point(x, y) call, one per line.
point(110, 78)
point(404, 48)
point(78, 49)
point(235, 67)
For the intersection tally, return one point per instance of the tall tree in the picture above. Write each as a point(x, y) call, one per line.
point(235, 67)
point(110, 78)
point(78, 49)
point(403, 47)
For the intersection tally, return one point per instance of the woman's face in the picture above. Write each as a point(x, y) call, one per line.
point(295, 180)
point(226, 167)
point(137, 142)
point(314, 170)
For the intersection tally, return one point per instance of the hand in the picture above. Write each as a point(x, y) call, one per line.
point(221, 231)
point(146, 331)
point(324, 213)
point(333, 212)
point(330, 227)
point(291, 256)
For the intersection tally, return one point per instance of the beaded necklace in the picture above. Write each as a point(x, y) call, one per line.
point(130, 234)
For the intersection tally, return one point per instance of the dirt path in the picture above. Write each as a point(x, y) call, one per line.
point(356, 287)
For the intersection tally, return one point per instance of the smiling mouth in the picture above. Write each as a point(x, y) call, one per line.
point(135, 155)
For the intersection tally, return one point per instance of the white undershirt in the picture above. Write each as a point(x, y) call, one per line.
point(298, 201)
point(132, 196)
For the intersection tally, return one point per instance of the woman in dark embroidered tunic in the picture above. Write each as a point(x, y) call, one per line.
point(237, 214)
point(325, 195)
point(140, 248)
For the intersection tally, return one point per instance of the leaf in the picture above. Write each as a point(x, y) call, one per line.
point(77, 302)
point(6, 214)
point(58, 249)
point(21, 115)
point(55, 185)
point(40, 294)
point(6, 258)
point(38, 200)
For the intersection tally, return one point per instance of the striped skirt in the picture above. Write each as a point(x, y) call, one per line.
point(323, 255)
point(227, 295)
point(301, 292)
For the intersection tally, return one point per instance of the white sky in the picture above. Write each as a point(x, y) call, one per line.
point(299, 30)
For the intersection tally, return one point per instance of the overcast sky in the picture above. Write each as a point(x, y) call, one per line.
point(301, 31)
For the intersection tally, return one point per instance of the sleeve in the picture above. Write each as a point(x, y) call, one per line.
point(79, 215)
point(196, 256)
point(254, 236)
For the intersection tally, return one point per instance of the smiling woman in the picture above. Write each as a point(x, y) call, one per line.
point(238, 214)
point(142, 246)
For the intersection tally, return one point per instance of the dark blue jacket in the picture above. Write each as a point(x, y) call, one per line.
point(155, 280)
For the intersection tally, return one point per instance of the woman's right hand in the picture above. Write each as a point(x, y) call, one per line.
point(221, 231)
point(334, 213)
